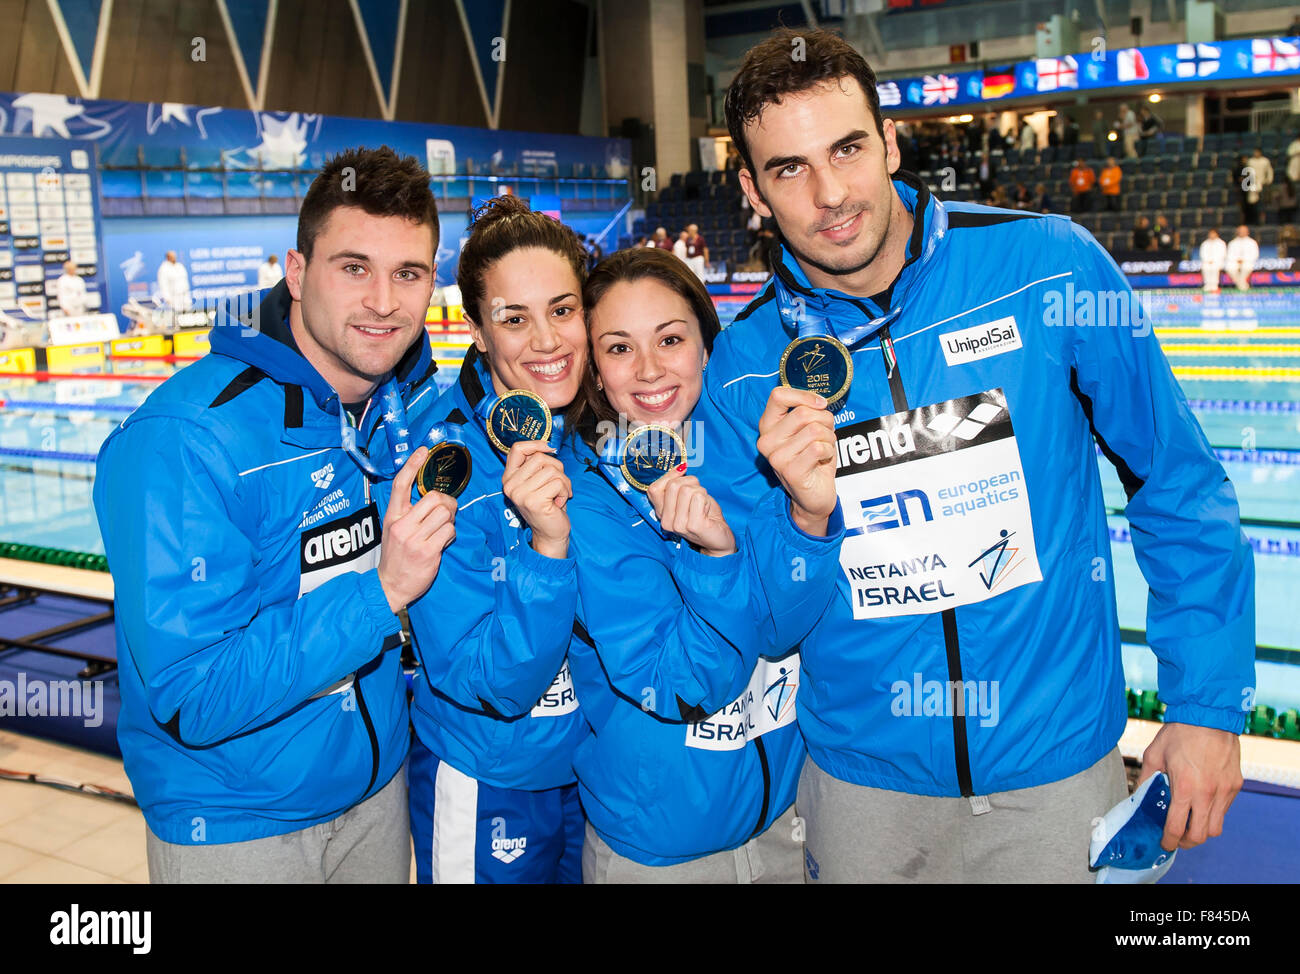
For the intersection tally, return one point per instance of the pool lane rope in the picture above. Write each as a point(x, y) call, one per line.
point(62, 557)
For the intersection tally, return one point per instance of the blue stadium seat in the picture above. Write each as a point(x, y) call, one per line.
point(119, 183)
point(203, 185)
point(243, 185)
point(164, 184)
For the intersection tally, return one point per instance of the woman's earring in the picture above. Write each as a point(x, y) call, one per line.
point(600, 386)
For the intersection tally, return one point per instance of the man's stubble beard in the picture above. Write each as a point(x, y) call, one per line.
point(810, 261)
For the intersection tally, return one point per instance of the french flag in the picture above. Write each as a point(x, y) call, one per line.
point(1131, 65)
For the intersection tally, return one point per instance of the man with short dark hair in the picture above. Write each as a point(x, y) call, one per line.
point(264, 719)
point(963, 694)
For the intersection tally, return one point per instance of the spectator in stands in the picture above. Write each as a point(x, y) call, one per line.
point(1028, 137)
point(661, 239)
point(1112, 178)
point(679, 247)
point(1243, 254)
point(1288, 241)
point(1286, 201)
point(1294, 29)
point(1022, 199)
point(1129, 130)
point(754, 225)
point(733, 158)
point(1258, 173)
point(999, 197)
point(1056, 131)
point(1214, 254)
point(1100, 135)
point(1166, 237)
point(173, 284)
point(697, 251)
point(1240, 178)
point(1082, 180)
point(1142, 233)
point(70, 289)
point(595, 252)
point(269, 273)
point(987, 174)
point(1150, 128)
point(1042, 202)
point(1071, 131)
point(1293, 160)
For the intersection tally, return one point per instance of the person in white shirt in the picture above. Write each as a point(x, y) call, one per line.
point(1130, 129)
point(1028, 137)
point(173, 283)
point(1214, 254)
point(1293, 160)
point(1258, 174)
point(269, 273)
point(1243, 252)
point(679, 248)
point(71, 291)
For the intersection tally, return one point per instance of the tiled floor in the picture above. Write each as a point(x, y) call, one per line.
point(53, 836)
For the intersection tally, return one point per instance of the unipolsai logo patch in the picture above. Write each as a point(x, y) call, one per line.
point(981, 342)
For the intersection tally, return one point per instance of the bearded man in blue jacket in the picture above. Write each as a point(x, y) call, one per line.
point(963, 695)
point(264, 719)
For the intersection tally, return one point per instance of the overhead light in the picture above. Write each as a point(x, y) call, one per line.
point(1112, 137)
point(1154, 98)
point(965, 118)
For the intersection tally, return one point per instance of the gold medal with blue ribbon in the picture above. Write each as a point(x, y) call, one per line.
point(517, 415)
point(818, 362)
point(448, 467)
point(650, 452)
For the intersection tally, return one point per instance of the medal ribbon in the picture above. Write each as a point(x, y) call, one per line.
point(610, 464)
point(395, 428)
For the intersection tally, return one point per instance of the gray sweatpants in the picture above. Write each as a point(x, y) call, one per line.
point(776, 856)
point(369, 843)
point(1030, 835)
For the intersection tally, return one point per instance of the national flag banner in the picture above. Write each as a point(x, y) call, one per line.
point(1130, 65)
point(1274, 55)
point(1196, 60)
point(938, 91)
point(889, 94)
point(1057, 72)
point(998, 85)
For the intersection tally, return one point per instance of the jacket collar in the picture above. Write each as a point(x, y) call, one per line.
point(854, 318)
point(259, 335)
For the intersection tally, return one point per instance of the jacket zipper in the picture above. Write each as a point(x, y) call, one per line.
point(952, 648)
point(370, 730)
point(767, 787)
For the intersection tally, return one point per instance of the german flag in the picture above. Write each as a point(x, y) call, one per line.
point(998, 86)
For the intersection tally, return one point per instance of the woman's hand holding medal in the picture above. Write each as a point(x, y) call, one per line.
point(797, 438)
point(535, 484)
point(685, 509)
point(414, 537)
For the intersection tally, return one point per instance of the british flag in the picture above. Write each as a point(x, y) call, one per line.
point(1057, 72)
point(938, 91)
point(1274, 55)
point(1196, 60)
